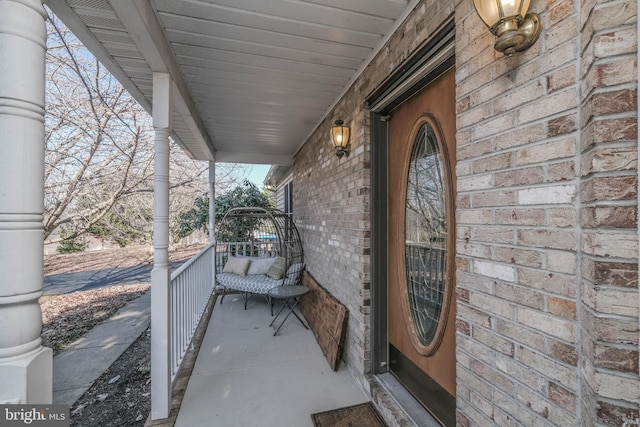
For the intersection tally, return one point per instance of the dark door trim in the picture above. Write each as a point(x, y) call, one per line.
point(426, 65)
point(379, 231)
point(431, 60)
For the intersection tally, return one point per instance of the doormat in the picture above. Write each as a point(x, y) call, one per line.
point(363, 415)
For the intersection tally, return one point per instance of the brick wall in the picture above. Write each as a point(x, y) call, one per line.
point(331, 196)
point(547, 243)
point(518, 230)
point(608, 187)
point(547, 217)
point(331, 209)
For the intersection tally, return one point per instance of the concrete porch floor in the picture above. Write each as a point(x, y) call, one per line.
point(245, 376)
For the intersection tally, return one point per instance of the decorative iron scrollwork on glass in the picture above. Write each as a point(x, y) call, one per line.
point(426, 236)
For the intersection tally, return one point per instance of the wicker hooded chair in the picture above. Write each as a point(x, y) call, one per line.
point(257, 249)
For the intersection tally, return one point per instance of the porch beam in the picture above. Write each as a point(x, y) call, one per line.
point(26, 368)
point(254, 158)
point(140, 21)
point(160, 278)
point(72, 21)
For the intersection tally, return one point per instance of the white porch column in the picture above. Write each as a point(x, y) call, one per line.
point(160, 279)
point(25, 366)
point(212, 202)
point(212, 218)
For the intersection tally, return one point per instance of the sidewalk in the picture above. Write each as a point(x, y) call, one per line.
point(76, 368)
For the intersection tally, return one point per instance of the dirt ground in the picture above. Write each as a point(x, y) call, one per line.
point(121, 396)
point(108, 258)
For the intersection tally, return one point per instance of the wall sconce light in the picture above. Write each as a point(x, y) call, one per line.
point(516, 29)
point(340, 139)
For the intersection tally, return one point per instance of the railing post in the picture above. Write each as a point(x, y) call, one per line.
point(189, 285)
point(160, 279)
point(25, 366)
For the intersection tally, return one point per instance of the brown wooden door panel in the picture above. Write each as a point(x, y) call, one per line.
point(435, 105)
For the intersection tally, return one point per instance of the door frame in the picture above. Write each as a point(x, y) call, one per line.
point(427, 64)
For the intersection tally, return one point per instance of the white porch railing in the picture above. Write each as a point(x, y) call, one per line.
point(191, 288)
point(250, 249)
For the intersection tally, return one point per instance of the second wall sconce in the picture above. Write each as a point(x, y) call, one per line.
point(340, 139)
point(516, 29)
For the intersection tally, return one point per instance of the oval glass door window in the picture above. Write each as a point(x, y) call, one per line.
point(426, 240)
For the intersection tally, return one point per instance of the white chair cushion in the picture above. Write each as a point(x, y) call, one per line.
point(256, 284)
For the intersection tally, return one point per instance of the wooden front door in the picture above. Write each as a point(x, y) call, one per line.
point(421, 182)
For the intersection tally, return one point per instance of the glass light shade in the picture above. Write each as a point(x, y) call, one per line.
point(493, 12)
point(508, 20)
point(340, 135)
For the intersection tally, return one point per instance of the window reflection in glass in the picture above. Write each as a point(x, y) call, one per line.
point(425, 235)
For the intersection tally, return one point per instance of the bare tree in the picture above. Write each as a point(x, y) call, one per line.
point(97, 138)
point(425, 205)
point(99, 151)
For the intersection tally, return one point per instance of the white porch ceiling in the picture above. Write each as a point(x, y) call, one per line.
point(253, 78)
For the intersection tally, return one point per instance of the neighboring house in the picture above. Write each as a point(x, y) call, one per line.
point(281, 179)
point(508, 185)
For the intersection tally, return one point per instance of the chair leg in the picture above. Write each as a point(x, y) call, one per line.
point(269, 301)
point(245, 295)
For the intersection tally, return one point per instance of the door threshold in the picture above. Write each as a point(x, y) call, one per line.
point(405, 400)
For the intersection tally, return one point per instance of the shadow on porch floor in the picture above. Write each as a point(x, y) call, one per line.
point(245, 376)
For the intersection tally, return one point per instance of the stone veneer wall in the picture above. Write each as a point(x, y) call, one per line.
point(547, 283)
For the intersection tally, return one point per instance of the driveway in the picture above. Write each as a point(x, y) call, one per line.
point(63, 283)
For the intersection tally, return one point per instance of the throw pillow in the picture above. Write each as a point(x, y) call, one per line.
point(237, 266)
point(260, 265)
point(277, 269)
point(294, 273)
